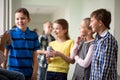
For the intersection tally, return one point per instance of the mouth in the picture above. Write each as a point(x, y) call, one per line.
point(21, 24)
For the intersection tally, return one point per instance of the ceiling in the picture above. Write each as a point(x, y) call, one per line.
point(42, 9)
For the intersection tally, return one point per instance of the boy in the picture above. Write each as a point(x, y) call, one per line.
point(104, 62)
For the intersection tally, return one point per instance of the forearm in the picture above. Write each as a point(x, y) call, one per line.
point(87, 60)
point(66, 58)
point(74, 51)
point(40, 51)
point(4, 64)
point(35, 64)
point(2, 43)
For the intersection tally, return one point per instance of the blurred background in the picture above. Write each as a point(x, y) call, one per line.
point(72, 10)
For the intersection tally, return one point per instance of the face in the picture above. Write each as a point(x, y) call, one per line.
point(21, 21)
point(58, 30)
point(47, 28)
point(83, 29)
point(94, 24)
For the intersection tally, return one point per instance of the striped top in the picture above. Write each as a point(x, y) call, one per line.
point(20, 56)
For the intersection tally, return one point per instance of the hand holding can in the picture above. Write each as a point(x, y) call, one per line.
point(49, 48)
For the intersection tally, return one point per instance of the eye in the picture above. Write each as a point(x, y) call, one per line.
point(22, 18)
point(17, 18)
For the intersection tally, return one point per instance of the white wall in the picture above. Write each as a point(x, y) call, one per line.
point(37, 21)
point(117, 29)
point(1, 16)
point(14, 4)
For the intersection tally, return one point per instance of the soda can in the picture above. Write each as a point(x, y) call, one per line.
point(49, 48)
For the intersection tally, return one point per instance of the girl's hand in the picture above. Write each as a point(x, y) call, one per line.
point(79, 39)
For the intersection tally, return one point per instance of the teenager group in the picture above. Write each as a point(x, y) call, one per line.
point(95, 57)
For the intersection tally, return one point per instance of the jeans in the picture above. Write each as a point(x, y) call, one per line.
point(42, 67)
point(2, 77)
point(42, 73)
point(12, 75)
point(56, 76)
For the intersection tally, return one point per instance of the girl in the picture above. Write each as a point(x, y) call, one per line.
point(83, 51)
point(22, 56)
point(59, 64)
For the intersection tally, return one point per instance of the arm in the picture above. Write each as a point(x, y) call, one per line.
point(35, 66)
point(76, 46)
point(85, 62)
point(74, 51)
point(3, 40)
point(109, 59)
point(4, 65)
point(66, 58)
point(41, 51)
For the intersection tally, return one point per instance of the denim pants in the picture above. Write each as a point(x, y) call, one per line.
point(42, 67)
point(56, 76)
point(2, 77)
point(42, 73)
point(12, 75)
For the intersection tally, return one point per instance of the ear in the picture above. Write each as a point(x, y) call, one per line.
point(100, 23)
point(29, 20)
point(65, 30)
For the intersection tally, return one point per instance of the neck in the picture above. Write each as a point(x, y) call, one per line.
point(88, 38)
point(102, 30)
point(62, 39)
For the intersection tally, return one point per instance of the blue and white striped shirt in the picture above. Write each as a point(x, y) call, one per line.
point(21, 50)
point(104, 62)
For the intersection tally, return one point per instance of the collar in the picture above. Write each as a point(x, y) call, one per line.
point(104, 33)
point(20, 31)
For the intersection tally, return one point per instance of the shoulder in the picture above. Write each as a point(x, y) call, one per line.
point(110, 38)
point(53, 42)
point(70, 41)
point(52, 37)
point(31, 33)
point(12, 30)
point(42, 37)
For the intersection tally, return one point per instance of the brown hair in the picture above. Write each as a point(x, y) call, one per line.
point(24, 11)
point(103, 15)
point(64, 25)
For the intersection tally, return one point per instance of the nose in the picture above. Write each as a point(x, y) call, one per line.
point(20, 20)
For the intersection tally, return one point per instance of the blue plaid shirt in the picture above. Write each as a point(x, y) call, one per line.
point(104, 62)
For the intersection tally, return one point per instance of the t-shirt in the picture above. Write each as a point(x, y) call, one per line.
point(57, 64)
point(20, 56)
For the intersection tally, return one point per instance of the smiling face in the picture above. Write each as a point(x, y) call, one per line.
point(21, 21)
point(95, 24)
point(47, 27)
point(58, 30)
point(83, 29)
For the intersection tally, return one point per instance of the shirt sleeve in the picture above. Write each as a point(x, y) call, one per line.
point(74, 51)
point(85, 62)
